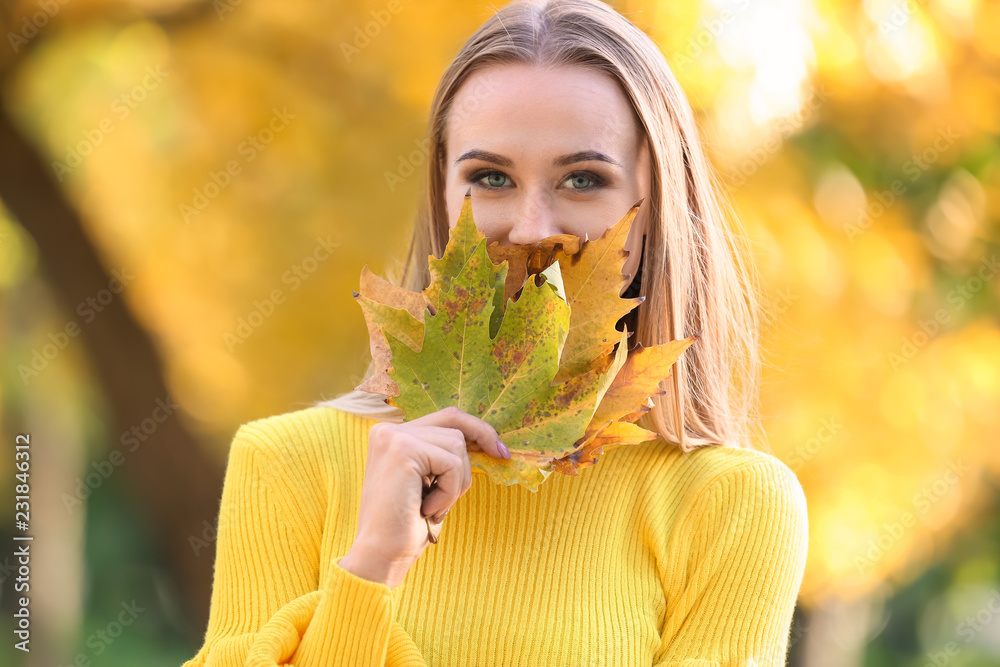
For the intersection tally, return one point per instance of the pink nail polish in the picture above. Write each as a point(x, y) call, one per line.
point(503, 449)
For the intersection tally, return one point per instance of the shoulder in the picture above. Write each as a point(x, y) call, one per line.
point(748, 492)
point(714, 467)
point(306, 432)
point(305, 445)
point(758, 481)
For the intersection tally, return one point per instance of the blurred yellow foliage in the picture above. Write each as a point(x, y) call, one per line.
point(244, 166)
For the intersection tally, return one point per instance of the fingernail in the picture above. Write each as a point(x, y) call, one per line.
point(503, 449)
point(439, 519)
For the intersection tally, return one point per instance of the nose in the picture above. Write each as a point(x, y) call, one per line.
point(536, 219)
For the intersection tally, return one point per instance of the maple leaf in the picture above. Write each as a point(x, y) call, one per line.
point(612, 424)
point(592, 278)
point(536, 356)
point(403, 321)
point(530, 258)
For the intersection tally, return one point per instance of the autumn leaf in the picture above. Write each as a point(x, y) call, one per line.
point(612, 424)
point(593, 280)
point(530, 258)
point(403, 321)
point(539, 359)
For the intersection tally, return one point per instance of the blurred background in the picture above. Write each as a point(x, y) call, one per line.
point(189, 189)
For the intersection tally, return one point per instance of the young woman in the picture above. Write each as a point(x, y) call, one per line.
point(684, 551)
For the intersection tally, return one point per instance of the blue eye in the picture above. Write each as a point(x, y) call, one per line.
point(495, 180)
point(575, 181)
point(579, 181)
point(491, 180)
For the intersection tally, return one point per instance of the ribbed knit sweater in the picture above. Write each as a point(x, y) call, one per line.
point(650, 557)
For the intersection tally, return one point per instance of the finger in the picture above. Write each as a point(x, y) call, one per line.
point(463, 453)
point(450, 481)
point(435, 530)
point(454, 440)
point(449, 439)
point(475, 429)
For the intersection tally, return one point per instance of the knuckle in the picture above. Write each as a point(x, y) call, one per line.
point(454, 461)
point(455, 439)
point(396, 447)
point(389, 441)
point(377, 436)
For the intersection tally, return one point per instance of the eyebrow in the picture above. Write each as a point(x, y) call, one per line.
point(572, 158)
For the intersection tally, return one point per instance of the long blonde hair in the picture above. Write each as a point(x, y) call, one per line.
point(696, 275)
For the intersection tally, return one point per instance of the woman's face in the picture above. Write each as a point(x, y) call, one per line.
point(546, 151)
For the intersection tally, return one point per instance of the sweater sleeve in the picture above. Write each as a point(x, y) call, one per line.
point(743, 550)
point(267, 607)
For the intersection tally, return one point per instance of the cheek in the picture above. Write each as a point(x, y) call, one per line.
point(454, 195)
point(597, 218)
point(455, 210)
point(454, 198)
point(490, 217)
point(453, 203)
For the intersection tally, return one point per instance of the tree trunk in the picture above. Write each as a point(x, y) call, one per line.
point(169, 476)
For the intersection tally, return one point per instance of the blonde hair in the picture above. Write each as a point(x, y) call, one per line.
point(694, 275)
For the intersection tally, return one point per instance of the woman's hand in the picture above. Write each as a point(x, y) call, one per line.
point(392, 529)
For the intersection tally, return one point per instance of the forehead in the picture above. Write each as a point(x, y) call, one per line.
point(564, 108)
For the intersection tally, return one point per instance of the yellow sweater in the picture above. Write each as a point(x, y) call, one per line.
point(650, 557)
